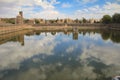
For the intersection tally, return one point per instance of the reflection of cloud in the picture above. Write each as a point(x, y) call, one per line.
point(50, 72)
point(94, 47)
point(111, 71)
point(71, 49)
point(106, 52)
point(11, 54)
point(93, 36)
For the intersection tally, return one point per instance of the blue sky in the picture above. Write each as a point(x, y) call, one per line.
point(53, 9)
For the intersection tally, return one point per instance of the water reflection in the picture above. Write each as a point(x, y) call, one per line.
point(60, 55)
point(13, 37)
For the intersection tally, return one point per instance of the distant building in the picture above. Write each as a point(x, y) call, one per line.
point(31, 21)
point(47, 22)
point(60, 21)
point(68, 20)
point(42, 21)
point(0, 20)
point(97, 20)
point(19, 18)
point(91, 21)
point(94, 21)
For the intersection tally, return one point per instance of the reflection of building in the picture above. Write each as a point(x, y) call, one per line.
point(13, 37)
point(53, 33)
point(19, 18)
point(21, 39)
point(75, 35)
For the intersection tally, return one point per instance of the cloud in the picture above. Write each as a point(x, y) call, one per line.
point(86, 1)
point(45, 4)
point(16, 6)
point(48, 9)
point(47, 14)
point(98, 11)
point(66, 5)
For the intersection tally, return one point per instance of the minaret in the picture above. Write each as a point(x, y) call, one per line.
point(21, 14)
point(19, 18)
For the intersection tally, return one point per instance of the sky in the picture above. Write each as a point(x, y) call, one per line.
point(53, 9)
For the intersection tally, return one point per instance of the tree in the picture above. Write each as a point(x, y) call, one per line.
point(106, 19)
point(26, 20)
point(116, 18)
point(9, 20)
point(37, 21)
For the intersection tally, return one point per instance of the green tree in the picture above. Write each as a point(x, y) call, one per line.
point(37, 21)
point(106, 19)
point(26, 20)
point(9, 20)
point(116, 18)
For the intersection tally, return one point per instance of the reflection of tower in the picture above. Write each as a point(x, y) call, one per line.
point(65, 31)
point(53, 33)
point(21, 39)
point(19, 18)
point(75, 35)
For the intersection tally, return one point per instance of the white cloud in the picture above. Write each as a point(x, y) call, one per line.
point(44, 4)
point(66, 5)
point(98, 11)
point(86, 1)
point(16, 6)
point(47, 9)
point(47, 14)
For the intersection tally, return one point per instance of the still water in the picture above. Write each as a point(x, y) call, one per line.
point(60, 55)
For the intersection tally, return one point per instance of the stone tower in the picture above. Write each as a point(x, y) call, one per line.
point(19, 18)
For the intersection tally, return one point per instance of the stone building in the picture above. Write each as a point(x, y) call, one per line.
point(0, 20)
point(42, 21)
point(60, 21)
point(19, 18)
point(94, 21)
point(91, 21)
point(68, 21)
point(31, 21)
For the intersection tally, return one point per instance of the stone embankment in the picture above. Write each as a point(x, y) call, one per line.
point(12, 28)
